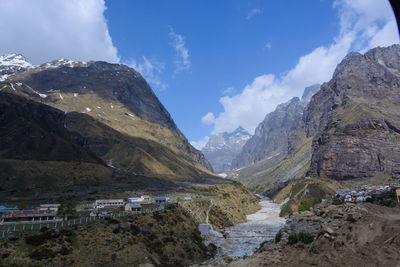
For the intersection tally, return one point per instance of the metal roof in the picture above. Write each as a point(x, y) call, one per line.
point(28, 213)
point(160, 198)
point(134, 205)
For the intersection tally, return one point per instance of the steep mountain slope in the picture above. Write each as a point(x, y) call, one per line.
point(350, 133)
point(271, 135)
point(145, 138)
point(35, 145)
point(355, 118)
point(223, 147)
point(287, 152)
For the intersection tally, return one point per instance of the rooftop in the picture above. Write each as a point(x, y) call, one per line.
point(28, 213)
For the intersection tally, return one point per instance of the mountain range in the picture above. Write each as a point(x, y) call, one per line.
point(347, 131)
point(90, 119)
point(222, 148)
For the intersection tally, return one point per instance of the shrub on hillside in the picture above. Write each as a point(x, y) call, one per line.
point(303, 237)
point(41, 254)
point(278, 236)
point(37, 240)
point(337, 201)
point(197, 237)
point(304, 205)
point(293, 239)
point(135, 230)
point(306, 238)
point(388, 203)
point(112, 220)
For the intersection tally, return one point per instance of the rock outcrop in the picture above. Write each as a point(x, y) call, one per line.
point(271, 135)
point(349, 130)
point(355, 118)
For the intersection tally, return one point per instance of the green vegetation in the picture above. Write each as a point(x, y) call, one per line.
point(262, 244)
point(314, 250)
point(37, 240)
point(306, 238)
point(304, 205)
point(226, 195)
point(42, 253)
point(67, 209)
point(197, 237)
point(303, 192)
point(293, 239)
point(303, 237)
point(112, 220)
point(278, 236)
point(388, 203)
point(171, 242)
point(337, 201)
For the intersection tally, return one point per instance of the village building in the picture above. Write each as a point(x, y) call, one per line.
point(53, 207)
point(146, 198)
point(28, 216)
point(108, 203)
point(135, 199)
point(368, 193)
point(133, 207)
point(160, 200)
point(4, 209)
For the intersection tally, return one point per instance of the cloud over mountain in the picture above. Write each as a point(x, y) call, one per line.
point(46, 30)
point(364, 24)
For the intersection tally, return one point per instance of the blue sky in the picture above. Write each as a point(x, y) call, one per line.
point(227, 47)
point(215, 65)
point(228, 44)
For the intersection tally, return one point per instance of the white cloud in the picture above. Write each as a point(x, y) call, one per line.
point(268, 45)
point(364, 24)
point(253, 12)
point(208, 118)
point(385, 36)
point(46, 30)
point(201, 143)
point(228, 91)
point(150, 70)
point(182, 61)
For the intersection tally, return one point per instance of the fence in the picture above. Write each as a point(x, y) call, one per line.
point(6, 229)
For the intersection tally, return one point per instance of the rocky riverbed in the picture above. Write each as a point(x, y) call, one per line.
point(243, 239)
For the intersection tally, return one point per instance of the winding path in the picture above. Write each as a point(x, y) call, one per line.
point(208, 211)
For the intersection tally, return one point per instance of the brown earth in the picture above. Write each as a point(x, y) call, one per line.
point(167, 238)
point(346, 235)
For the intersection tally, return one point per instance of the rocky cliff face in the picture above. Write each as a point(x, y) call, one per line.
point(271, 135)
point(221, 149)
point(117, 97)
point(355, 118)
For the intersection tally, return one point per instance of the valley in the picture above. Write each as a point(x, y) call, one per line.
point(83, 132)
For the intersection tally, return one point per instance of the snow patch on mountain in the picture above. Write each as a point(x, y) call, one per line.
point(11, 64)
point(223, 147)
point(14, 60)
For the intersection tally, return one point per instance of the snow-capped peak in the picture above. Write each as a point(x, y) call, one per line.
point(11, 64)
point(14, 60)
point(62, 62)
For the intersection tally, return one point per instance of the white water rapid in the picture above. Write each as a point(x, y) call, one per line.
point(243, 239)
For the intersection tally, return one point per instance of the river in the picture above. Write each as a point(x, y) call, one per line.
point(243, 239)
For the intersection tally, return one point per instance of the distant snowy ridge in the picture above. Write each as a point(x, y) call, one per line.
point(13, 63)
